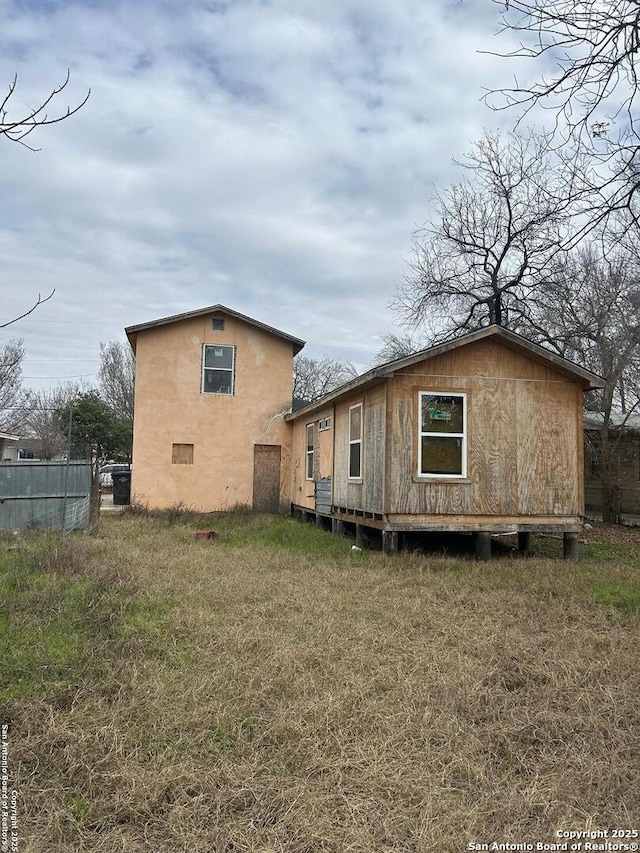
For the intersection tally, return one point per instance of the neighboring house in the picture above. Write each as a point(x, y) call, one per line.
point(35, 448)
point(483, 434)
point(9, 447)
point(211, 391)
point(624, 444)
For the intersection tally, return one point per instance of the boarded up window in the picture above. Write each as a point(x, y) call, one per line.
point(442, 442)
point(182, 454)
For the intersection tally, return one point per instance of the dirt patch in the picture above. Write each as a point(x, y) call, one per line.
point(599, 531)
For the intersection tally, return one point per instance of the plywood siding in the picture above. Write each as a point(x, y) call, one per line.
point(368, 493)
point(522, 436)
point(547, 465)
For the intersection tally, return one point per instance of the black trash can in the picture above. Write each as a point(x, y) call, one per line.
point(121, 488)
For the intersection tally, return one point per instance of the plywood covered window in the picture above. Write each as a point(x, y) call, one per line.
point(442, 445)
point(218, 363)
point(355, 442)
point(182, 454)
point(308, 463)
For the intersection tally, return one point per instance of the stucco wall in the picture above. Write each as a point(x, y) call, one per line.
point(170, 409)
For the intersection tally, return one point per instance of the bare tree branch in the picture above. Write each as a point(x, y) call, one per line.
point(591, 93)
point(39, 301)
point(16, 129)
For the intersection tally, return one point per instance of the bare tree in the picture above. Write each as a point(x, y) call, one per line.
point(116, 377)
point(592, 48)
point(18, 126)
point(14, 401)
point(43, 422)
point(495, 236)
point(590, 313)
point(399, 346)
point(313, 378)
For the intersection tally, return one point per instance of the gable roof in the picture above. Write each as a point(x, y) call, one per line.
point(132, 331)
point(377, 374)
point(617, 420)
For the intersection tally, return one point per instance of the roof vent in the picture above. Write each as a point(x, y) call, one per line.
point(217, 324)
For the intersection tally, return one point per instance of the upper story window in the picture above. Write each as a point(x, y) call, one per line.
point(308, 467)
point(442, 447)
point(355, 442)
point(218, 364)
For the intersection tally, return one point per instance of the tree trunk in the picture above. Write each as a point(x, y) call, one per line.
point(495, 309)
point(94, 504)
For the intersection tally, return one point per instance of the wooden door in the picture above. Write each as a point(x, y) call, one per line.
point(266, 477)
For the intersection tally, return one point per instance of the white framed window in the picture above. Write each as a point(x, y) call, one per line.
point(218, 364)
point(324, 424)
point(308, 463)
point(442, 440)
point(355, 442)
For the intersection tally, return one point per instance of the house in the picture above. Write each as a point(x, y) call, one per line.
point(624, 449)
point(211, 391)
point(9, 447)
point(482, 434)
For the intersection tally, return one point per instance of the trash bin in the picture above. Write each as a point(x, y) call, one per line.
point(121, 488)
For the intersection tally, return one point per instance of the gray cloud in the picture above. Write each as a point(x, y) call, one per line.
point(275, 157)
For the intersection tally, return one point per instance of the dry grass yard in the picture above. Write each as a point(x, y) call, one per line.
point(271, 690)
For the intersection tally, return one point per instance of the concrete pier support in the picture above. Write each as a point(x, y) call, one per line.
point(389, 542)
point(570, 543)
point(524, 543)
point(483, 546)
point(362, 539)
point(337, 527)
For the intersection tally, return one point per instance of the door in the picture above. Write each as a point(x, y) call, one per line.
point(266, 477)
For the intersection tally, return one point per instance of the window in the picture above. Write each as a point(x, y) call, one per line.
point(308, 470)
point(182, 454)
point(324, 424)
point(355, 442)
point(442, 450)
point(217, 369)
point(217, 324)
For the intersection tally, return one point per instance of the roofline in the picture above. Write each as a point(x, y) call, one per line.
point(595, 420)
point(383, 371)
point(132, 331)
point(9, 436)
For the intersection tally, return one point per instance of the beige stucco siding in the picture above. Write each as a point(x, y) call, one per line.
point(223, 429)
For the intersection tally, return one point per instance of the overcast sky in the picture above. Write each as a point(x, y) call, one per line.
point(274, 156)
